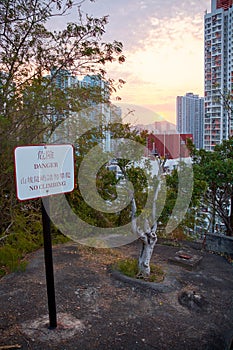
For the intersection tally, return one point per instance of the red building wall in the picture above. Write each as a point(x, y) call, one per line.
point(170, 145)
point(225, 4)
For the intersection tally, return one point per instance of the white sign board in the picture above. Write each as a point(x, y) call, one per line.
point(43, 170)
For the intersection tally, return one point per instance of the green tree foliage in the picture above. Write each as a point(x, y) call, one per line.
point(215, 169)
point(106, 179)
point(29, 97)
point(172, 183)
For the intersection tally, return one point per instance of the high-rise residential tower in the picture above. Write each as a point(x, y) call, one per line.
point(218, 124)
point(189, 117)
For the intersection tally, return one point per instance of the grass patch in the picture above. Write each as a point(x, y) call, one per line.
point(11, 260)
point(16, 246)
point(24, 236)
point(14, 249)
point(129, 267)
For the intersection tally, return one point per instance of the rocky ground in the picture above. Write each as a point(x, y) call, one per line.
point(97, 308)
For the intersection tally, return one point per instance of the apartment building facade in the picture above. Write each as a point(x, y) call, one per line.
point(96, 115)
point(218, 124)
point(190, 117)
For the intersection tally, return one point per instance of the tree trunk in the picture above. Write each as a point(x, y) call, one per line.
point(147, 235)
point(213, 219)
point(148, 242)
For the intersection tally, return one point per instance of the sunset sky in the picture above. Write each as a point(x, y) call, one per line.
point(163, 44)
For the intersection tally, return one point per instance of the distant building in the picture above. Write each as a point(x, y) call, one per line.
point(63, 79)
point(97, 114)
point(110, 114)
point(218, 122)
point(171, 146)
point(164, 127)
point(190, 117)
point(158, 127)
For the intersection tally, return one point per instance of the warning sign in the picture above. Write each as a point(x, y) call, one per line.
point(43, 170)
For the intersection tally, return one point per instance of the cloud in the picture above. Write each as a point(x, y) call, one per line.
point(163, 45)
point(135, 22)
point(132, 21)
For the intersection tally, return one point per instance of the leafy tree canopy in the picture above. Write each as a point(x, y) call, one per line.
point(31, 104)
point(216, 170)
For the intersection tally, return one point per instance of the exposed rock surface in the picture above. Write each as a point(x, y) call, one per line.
point(97, 311)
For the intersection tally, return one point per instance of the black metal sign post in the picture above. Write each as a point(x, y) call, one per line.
point(48, 256)
point(56, 160)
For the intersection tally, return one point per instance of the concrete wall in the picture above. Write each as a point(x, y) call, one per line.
point(219, 244)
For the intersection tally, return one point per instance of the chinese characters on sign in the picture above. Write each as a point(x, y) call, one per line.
point(43, 170)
